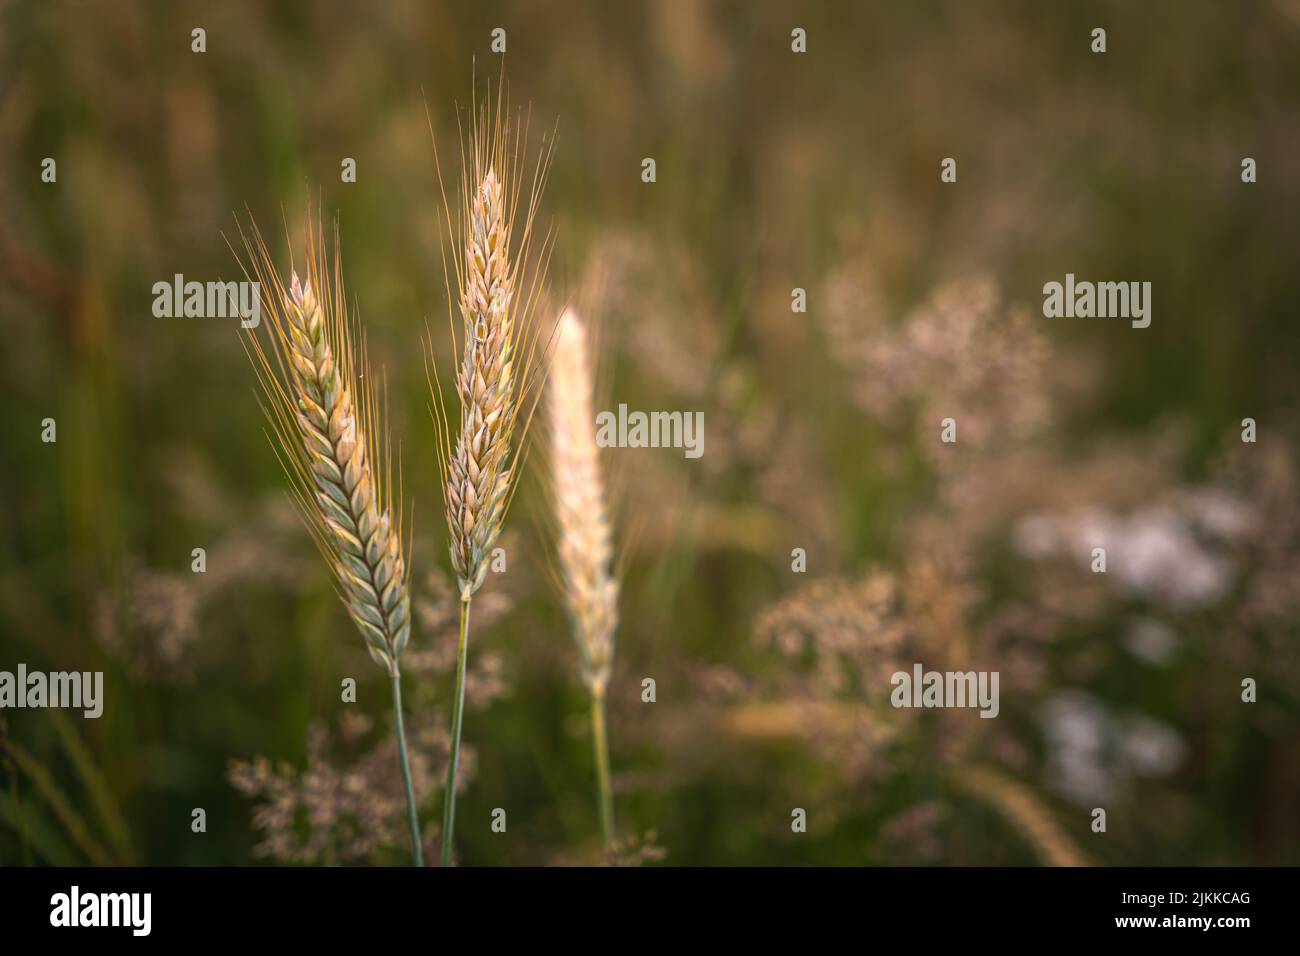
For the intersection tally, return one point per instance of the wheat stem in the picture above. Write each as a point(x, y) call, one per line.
point(458, 712)
point(600, 746)
point(412, 818)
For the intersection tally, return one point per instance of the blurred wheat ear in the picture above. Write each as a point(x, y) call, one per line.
point(584, 541)
point(1019, 805)
point(498, 281)
point(325, 417)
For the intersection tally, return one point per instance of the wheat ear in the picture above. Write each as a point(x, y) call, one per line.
point(1019, 805)
point(497, 283)
point(584, 541)
point(324, 413)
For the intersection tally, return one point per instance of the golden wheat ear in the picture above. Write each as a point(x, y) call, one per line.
point(320, 401)
point(498, 265)
point(498, 281)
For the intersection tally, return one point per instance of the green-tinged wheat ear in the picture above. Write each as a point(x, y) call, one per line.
point(321, 407)
point(365, 547)
point(327, 430)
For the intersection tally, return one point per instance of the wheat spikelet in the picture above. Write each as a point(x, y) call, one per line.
point(319, 399)
point(1021, 808)
point(584, 540)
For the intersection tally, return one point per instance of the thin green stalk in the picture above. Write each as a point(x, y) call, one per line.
point(417, 850)
point(457, 715)
point(600, 745)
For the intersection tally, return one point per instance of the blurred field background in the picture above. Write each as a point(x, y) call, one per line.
point(774, 171)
